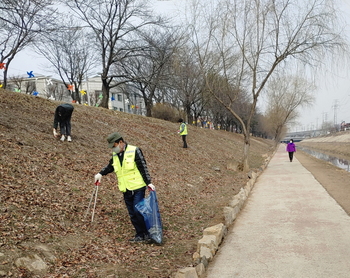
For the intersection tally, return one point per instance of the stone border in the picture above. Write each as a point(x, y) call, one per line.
point(213, 236)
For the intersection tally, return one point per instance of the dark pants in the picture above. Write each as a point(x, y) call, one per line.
point(65, 126)
point(184, 140)
point(63, 115)
point(291, 156)
point(131, 198)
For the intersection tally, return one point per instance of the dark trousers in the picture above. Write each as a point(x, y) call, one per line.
point(131, 198)
point(184, 140)
point(65, 127)
point(291, 156)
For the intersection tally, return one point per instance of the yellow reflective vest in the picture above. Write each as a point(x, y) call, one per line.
point(129, 177)
point(184, 127)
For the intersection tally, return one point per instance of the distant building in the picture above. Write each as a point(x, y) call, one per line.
point(40, 85)
point(122, 98)
point(344, 126)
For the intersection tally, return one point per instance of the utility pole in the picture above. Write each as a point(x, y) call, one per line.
point(325, 114)
point(323, 120)
point(335, 107)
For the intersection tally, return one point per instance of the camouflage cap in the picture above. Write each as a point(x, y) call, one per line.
point(112, 138)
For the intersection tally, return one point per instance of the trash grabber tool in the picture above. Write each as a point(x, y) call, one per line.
point(94, 193)
point(92, 196)
point(93, 211)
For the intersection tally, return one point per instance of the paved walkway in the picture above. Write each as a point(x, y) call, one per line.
point(289, 227)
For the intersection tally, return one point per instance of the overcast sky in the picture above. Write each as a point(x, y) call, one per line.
point(332, 95)
point(333, 92)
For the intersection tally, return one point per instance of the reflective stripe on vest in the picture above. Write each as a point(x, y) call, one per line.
point(184, 132)
point(129, 177)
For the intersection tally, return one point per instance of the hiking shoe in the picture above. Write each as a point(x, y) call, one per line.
point(69, 139)
point(147, 239)
point(137, 239)
point(62, 138)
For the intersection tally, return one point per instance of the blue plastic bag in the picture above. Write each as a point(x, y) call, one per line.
point(149, 209)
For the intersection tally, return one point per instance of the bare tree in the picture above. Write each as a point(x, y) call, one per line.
point(69, 50)
point(112, 22)
point(17, 82)
point(147, 70)
point(251, 40)
point(285, 96)
point(188, 83)
point(21, 21)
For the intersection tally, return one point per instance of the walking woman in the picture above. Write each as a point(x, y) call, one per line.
point(291, 149)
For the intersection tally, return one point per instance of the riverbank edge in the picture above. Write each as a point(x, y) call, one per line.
point(336, 145)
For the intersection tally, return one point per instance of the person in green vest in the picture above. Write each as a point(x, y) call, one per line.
point(183, 132)
point(133, 177)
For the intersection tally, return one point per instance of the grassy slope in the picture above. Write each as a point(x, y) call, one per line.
point(46, 186)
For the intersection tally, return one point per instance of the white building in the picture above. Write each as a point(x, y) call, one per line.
point(122, 98)
point(40, 85)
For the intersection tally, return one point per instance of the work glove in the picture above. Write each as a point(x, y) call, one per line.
point(55, 132)
point(98, 178)
point(151, 187)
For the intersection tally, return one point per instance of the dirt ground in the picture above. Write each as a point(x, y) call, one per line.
point(335, 180)
point(46, 185)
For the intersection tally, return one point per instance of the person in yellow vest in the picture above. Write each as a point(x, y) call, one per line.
point(133, 177)
point(183, 132)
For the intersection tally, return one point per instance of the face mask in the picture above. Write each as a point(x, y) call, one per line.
point(116, 149)
point(290, 141)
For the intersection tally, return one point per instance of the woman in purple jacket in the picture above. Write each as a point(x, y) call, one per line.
point(291, 149)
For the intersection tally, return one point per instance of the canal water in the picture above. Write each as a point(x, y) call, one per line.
point(339, 162)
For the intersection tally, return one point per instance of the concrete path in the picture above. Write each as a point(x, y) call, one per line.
point(289, 227)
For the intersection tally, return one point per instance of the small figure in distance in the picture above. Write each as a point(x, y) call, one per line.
point(183, 131)
point(291, 149)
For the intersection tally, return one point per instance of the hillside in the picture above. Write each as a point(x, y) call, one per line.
point(46, 185)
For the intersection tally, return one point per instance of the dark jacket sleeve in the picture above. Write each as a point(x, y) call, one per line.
point(108, 169)
point(55, 121)
point(142, 166)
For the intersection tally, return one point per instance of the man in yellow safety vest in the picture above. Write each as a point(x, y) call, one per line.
point(131, 169)
point(183, 132)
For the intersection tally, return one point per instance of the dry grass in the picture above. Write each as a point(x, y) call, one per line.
point(46, 186)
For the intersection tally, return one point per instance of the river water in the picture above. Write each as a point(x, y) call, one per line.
point(339, 162)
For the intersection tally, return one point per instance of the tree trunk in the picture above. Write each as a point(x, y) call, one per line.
point(148, 109)
point(246, 151)
point(76, 95)
point(188, 114)
point(105, 94)
point(4, 84)
point(278, 134)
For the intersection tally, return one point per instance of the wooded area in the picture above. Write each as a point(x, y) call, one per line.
point(216, 64)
